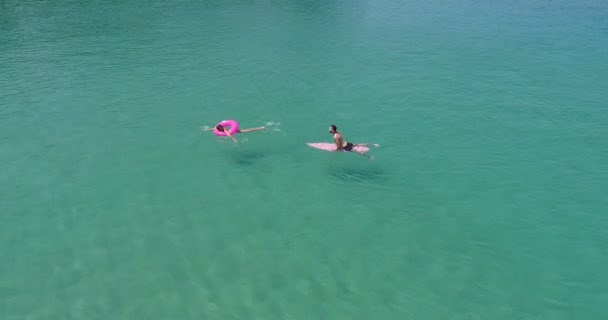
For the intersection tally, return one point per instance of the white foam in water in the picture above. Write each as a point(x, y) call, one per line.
point(273, 126)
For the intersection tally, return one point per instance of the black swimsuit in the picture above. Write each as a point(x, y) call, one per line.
point(349, 146)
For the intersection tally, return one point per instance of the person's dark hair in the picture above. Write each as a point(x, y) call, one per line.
point(219, 127)
point(334, 128)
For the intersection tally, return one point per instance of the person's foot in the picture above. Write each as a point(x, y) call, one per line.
point(375, 145)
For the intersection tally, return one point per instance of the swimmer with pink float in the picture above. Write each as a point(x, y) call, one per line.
point(228, 128)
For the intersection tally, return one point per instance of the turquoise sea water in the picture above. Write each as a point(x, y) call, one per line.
point(486, 200)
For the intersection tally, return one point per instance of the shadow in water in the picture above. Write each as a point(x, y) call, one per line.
point(351, 174)
point(247, 158)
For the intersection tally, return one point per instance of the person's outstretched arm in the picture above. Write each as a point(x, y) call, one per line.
point(228, 134)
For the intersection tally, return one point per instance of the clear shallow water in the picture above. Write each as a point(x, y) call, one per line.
point(486, 199)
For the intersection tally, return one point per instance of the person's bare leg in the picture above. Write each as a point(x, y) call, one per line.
point(252, 129)
point(365, 155)
point(366, 144)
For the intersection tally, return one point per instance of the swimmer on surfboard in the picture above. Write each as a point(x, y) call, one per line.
point(342, 145)
point(221, 128)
